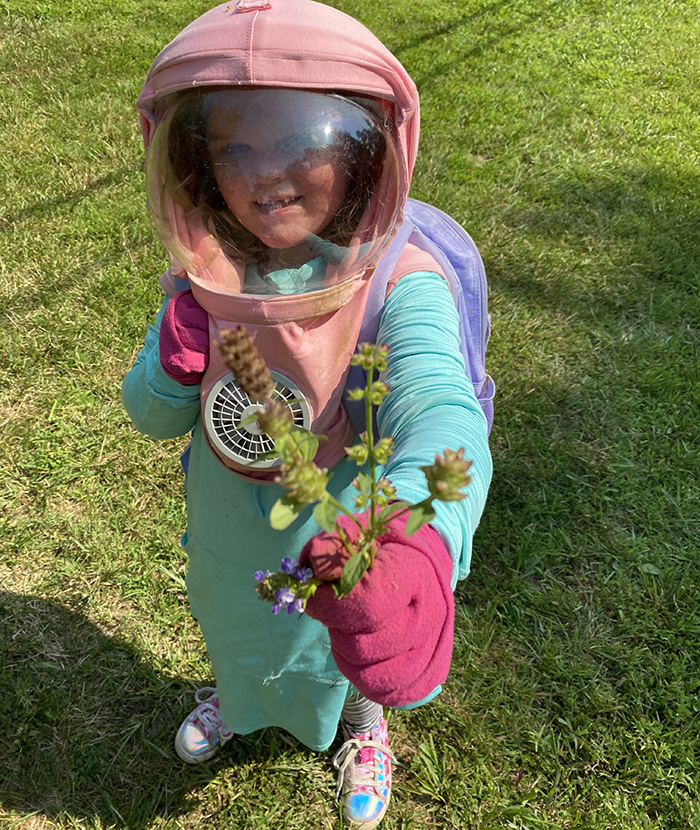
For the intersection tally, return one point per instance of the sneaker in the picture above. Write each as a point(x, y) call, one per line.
point(364, 776)
point(203, 731)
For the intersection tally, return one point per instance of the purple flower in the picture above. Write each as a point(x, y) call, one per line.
point(285, 599)
point(298, 606)
point(260, 575)
point(304, 574)
point(289, 565)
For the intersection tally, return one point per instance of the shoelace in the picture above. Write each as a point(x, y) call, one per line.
point(204, 693)
point(208, 718)
point(357, 775)
point(207, 715)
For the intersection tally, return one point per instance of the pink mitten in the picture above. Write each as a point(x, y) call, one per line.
point(391, 636)
point(184, 339)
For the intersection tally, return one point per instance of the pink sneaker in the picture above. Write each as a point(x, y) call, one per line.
point(364, 776)
point(203, 731)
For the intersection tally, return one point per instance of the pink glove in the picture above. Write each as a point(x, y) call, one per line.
point(184, 339)
point(392, 635)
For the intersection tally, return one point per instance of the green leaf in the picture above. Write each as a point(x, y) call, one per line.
point(364, 483)
point(284, 446)
point(306, 444)
point(283, 513)
point(648, 568)
point(248, 420)
point(353, 572)
point(391, 509)
point(420, 514)
point(325, 514)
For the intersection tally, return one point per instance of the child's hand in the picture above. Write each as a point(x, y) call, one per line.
point(184, 339)
point(392, 635)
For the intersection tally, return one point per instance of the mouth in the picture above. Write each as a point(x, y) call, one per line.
point(269, 205)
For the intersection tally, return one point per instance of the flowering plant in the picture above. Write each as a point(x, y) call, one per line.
point(306, 483)
point(289, 588)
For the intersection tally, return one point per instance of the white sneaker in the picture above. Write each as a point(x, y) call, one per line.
point(203, 731)
point(364, 776)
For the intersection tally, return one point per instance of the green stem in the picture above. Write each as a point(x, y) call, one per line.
point(346, 542)
point(341, 507)
point(371, 519)
point(349, 547)
point(407, 509)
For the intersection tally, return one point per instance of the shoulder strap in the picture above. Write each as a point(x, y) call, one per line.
point(429, 239)
point(380, 281)
point(401, 258)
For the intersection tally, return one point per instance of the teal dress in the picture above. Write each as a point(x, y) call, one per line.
point(278, 670)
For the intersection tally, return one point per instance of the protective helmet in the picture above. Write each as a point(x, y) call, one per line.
point(273, 190)
point(296, 86)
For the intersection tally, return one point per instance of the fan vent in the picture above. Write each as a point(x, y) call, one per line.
point(227, 405)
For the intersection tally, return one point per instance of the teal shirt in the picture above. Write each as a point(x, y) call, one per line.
point(308, 277)
point(278, 670)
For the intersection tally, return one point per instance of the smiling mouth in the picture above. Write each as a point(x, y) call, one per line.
point(272, 205)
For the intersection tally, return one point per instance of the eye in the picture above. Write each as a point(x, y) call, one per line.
point(233, 154)
point(314, 137)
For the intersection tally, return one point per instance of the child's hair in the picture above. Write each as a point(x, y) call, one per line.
point(194, 187)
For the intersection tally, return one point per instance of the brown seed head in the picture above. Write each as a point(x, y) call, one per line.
point(246, 363)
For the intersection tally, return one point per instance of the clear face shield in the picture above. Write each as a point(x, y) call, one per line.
point(273, 191)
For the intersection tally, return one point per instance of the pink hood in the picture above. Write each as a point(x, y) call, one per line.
point(305, 45)
point(284, 43)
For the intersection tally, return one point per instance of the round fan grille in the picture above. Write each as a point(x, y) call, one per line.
point(227, 405)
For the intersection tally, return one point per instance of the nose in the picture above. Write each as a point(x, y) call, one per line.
point(267, 168)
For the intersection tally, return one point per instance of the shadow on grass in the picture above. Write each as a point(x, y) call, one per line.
point(637, 225)
point(45, 208)
point(485, 30)
point(86, 726)
point(595, 431)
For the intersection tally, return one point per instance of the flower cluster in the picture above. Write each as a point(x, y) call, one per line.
point(288, 588)
point(275, 418)
point(246, 363)
point(303, 480)
point(448, 475)
point(371, 356)
point(305, 483)
point(291, 566)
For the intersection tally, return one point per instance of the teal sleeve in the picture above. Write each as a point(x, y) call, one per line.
point(158, 405)
point(432, 406)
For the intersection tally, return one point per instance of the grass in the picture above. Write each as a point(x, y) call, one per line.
point(564, 135)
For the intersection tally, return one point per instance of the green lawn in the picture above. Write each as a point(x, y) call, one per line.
point(565, 136)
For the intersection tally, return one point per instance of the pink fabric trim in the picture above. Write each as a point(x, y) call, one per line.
point(412, 259)
point(295, 43)
point(313, 352)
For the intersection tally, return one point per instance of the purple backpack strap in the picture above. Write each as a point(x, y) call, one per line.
point(373, 315)
point(455, 253)
point(380, 281)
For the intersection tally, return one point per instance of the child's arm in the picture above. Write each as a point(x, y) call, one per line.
point(432, 406)
point(392, 635)
point(157, 404)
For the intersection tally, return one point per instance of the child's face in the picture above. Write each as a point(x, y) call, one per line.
point(275, 174)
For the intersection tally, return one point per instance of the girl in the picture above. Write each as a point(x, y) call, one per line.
point(280, 138)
